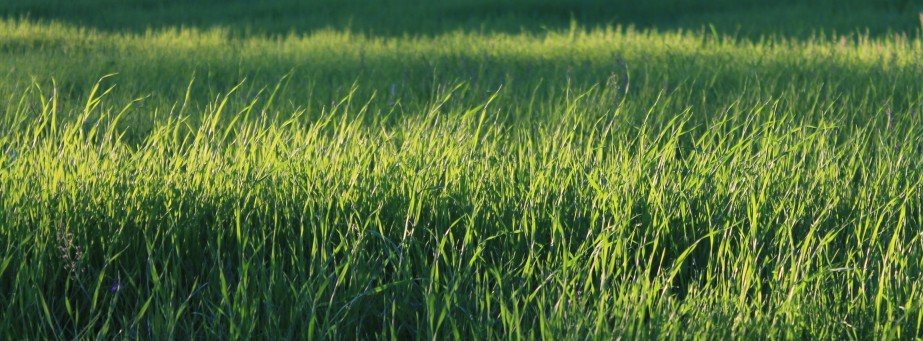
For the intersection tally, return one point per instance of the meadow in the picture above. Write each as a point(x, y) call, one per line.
point(472, 170)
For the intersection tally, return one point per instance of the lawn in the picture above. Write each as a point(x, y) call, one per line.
point(511, 169)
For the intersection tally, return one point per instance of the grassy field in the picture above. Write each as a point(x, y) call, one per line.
point(474, 169)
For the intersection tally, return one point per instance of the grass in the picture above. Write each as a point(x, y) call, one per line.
point(467, 181)
point(745, 18)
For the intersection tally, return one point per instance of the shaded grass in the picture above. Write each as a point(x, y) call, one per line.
point(742, 18)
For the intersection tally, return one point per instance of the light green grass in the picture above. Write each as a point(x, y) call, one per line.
point(573, 183)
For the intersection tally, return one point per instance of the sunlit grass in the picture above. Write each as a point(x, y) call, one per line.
point(578, 183)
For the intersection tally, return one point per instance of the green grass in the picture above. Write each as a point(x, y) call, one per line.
point(467, 178)
point(747, 18)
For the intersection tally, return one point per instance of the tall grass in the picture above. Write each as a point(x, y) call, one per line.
point(579, 183)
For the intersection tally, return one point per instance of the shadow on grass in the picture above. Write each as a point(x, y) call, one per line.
point(743, 19)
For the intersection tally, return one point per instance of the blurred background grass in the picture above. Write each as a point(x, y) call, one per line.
point(408, 53)
point(742, 18)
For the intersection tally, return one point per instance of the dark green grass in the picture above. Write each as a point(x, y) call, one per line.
point(466, 181)
point(738, 18)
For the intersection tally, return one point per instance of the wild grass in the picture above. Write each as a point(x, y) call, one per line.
point(569, 184)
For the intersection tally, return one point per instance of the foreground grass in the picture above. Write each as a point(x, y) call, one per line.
point(454, 223)
point(573, 183)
